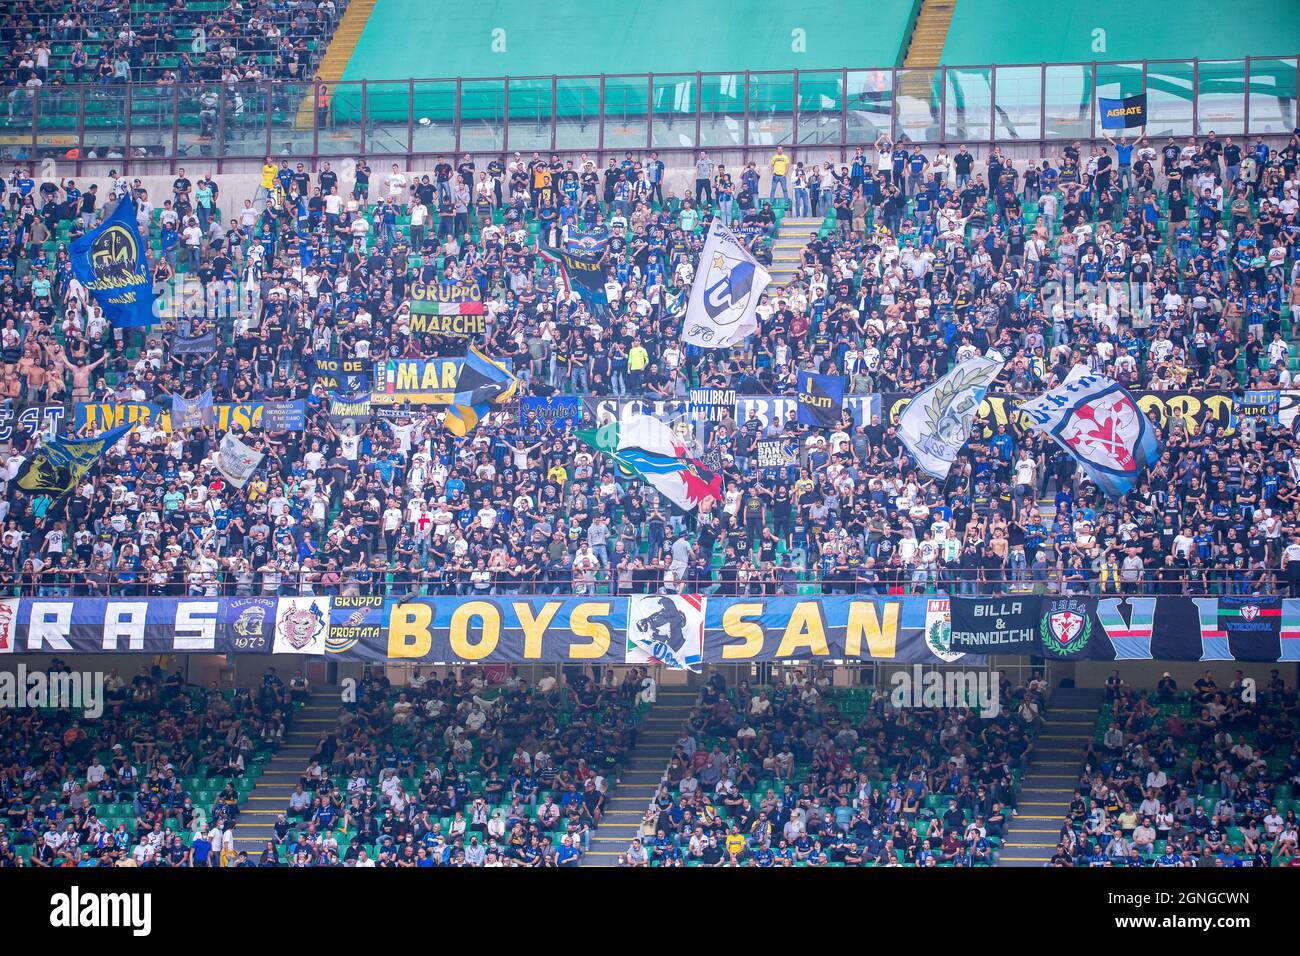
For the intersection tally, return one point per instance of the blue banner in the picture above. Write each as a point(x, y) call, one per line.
point(498, 628)
point(284, 416)
point(691, 629)
point(109, 261)
point(558, 411)
point(1126, 113)
point(821, 399)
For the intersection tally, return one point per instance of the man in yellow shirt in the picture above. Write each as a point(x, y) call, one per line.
point(735, 842)
point(637, 359)
point(780, 166)
point(267, 182)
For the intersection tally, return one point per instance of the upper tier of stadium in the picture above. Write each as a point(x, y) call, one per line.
point(411, 38)
point(996, 31)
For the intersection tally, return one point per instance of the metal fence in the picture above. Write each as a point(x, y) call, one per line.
point(941, 582)
point(808, 111)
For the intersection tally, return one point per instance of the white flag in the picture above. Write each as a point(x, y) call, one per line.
point(725, 292)
point(935, 424)
point(236, 460)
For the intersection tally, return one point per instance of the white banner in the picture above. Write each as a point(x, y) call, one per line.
point(301, 625)
point(935, 424)
point(666, 629)
point(236, 460)
point(725, 292)
point(8, 622)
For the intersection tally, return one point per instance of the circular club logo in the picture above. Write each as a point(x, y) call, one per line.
point(1104, 431)
point(114, 256)
point(728, 286)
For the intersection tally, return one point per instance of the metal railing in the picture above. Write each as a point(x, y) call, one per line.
point(606, 583)
point(808, 111)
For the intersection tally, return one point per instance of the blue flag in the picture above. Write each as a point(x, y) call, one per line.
point(821, 399)
point(190, 413)
point(109, 261)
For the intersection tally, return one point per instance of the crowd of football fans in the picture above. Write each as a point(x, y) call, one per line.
point(86, 790)
point(1168, 266)
point(1196, 777)
point(459, 771)
point(793, 773)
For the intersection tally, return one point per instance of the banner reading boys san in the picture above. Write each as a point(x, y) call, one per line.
point(1098, 422)
point(725, 292)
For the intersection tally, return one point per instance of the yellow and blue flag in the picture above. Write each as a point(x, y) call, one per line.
point(58, 466)
point(482, 383)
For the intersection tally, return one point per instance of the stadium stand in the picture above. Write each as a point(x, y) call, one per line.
point(406, 38)
point(1165, 259)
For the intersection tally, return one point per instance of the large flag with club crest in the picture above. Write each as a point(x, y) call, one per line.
point(725, 292)
point(644, 446)
point(1096, 420)
point(110, 262)
point(935, 424)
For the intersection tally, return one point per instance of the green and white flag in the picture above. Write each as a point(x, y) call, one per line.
point(644, 446)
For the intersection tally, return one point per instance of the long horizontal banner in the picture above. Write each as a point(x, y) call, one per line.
point(677, 631)
point(1223, 628)
point(1195, 408)
point(271, 416)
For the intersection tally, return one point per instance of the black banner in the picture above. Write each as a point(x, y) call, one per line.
point(1127, 113)
point(1132, 628)
point(343, 375)
point(1001, 625)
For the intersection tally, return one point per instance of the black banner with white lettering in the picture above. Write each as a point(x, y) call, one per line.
point(1001, 625)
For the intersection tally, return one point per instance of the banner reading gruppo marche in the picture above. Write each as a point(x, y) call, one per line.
point(1210, 628)
point(667, 629)
point(448, 308)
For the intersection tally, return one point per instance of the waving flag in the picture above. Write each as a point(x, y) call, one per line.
point(583, 272)
point(644, 446)
point(109, 261)
point(1096, 420)
point(236, 460)
point(190, 413)
point(482, 383)
point(821, 399)
point(935, 424)
point(725, 292)
point(58, 466)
